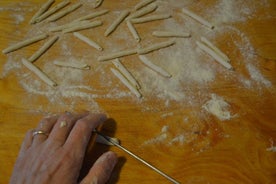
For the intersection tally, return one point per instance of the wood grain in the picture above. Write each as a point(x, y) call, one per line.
point(232, 151)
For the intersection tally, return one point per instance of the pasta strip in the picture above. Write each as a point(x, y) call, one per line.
point(24, 43)
point(82, 66)
point(126, 83)
point(154, 67)
point(171, 34)
point(42, 10)
point(216, 56)
point(52, 10)
point(126, 73)
point(38, 72)
point(92, 15)
point(142, 4)
point(97, 3)
point(117, 55)
point(68, 25)
point(83, 26)
point(116, 23)
point(64, 12)
point(150, 18)
point(143, 11)
point(43, 49)
point(133, 31)
point(198, 18)
point(88, 41)
point(156, 46)
point(217, 50)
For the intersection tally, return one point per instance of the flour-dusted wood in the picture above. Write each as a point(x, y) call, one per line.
point(25, 43)
point(38, 72)
point(43, 49)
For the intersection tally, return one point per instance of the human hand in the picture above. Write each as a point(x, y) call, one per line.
point(55, 155)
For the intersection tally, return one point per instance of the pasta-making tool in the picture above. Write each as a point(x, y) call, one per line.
point(117, 144)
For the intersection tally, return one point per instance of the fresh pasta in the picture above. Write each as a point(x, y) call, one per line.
point(156, 46)
point(116, 23)
point(88, 41)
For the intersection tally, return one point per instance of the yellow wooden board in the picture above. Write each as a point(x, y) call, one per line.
point(170, 126)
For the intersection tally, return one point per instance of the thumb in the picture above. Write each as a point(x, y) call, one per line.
point(102, 169)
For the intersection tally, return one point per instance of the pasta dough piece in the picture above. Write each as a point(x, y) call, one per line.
point(42, 10)
point(92, 15)
point(64, 12)
point(216, 56)
point(126, 73)
point(154, 67)
point(116, 23)
point(117, 55)
point(43, 49)
point(126, 83)
point(142, 4)
point(68, 25)
point(97, 3)
point(171, 34)
point(150, 18)
point(82, 66)
point(88, 41)
point(25, 43)
point(52, 11)
point(217, 50)
point(83, 26)
point(156, 46)
point(133, 31)
point(143, 11)
point(38, 72)
point(198, 18)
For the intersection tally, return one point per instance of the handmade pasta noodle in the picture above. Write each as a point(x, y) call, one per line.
point(64, 12)
point(68, 25)
point(43, 49)
point(117, 55)
point(52, 11)
point(126, 83)
point(42, 10)
point(216, 56)
point(150, 18)
point(142, 4)
point(198, 18)
point(156, 46)
point(88, 41)
point(126, 73)
point(83, 26)
point(143, 11)
point(81, 66)
point(24, 43)
point(92, 15)
point(171, 34)
point(97, 3)
point(116, 23)
point(154, 67)
point(133, 31)
point(38, 72)
point(217, 50)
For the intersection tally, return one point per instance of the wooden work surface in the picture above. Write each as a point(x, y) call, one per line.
point(236, 150)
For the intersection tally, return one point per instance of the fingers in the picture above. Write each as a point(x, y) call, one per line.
point(45, 125)
point(102, 169)
point(27, 142)
point(81, 132)
point(62, 128)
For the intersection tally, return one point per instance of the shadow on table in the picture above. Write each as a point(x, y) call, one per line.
point(95, 150)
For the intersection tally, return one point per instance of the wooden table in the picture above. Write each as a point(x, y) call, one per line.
point(212, 150)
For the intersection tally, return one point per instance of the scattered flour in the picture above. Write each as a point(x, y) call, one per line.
point(272, 147)
point(218, 107)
